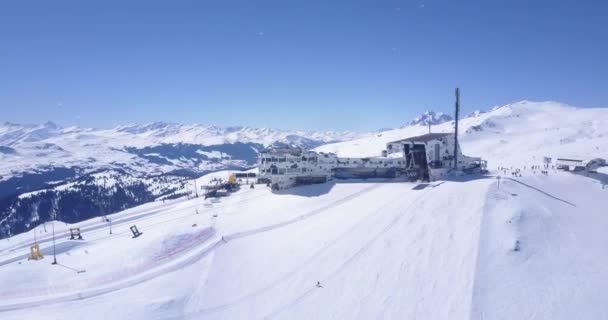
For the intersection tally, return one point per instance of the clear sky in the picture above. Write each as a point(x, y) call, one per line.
point(306, 64)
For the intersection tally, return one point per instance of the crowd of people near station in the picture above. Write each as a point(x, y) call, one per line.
point(544, 169)
point(517, 172)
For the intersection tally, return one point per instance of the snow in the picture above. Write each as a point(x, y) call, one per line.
point(470, 247)
point(341, 235)
point(446, 250)
point(432, 118)
point(512, 135)
point(212, 154)
point(38, 146)
point(559, 272)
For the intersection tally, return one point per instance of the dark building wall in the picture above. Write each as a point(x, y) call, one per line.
point(364, 173)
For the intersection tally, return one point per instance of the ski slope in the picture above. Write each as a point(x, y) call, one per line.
point(328, 232)
point(437, 251)
point(559, 271)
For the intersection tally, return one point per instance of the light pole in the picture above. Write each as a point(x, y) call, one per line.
point(54, 254)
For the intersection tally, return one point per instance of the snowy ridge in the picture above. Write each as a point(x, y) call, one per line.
point(432, 118)
point(30, 147)
point(513, 133)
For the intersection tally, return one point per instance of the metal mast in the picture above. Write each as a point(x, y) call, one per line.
point(54, 254)
point(456, 128)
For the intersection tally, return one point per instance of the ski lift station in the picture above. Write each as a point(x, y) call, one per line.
point(426, 157)
point(580, 164)
point(433, 155)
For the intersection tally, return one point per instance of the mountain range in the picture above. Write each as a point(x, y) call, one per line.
point(72, 173)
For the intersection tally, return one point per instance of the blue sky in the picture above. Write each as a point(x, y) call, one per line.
point(329, 65)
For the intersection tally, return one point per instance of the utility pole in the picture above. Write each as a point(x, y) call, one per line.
point(105, 216)
point(53, 226)
point(195, 188)
point(54, 253)
point(456, 128)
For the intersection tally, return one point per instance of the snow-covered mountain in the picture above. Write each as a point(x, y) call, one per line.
point(49, 152)
point(472, 247)
point(26, 148)
point(430, 117)
point(164, 132)
point(522, 131)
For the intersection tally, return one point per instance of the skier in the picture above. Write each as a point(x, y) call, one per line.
point(319, 284)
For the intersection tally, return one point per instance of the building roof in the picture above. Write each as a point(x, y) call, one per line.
point(424, 138)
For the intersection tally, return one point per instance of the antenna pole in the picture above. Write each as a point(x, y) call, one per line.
point(457, 105)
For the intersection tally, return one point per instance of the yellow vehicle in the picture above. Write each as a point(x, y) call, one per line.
point(35, 253)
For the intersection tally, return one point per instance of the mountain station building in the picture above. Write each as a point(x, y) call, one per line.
point(427, 157)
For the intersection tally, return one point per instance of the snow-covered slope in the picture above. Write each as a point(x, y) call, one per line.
point(330, 235)
point(514, 134)
point(461, 249)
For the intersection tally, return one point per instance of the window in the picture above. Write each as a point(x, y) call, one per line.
point(437, 152)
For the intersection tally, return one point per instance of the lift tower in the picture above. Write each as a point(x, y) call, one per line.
point(456, 128)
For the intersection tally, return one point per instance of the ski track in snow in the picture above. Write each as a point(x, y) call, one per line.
point(305, 263)
point(300, 297)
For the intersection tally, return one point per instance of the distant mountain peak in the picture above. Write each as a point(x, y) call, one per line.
point(10, 124)
point(475, 113)
point(430, 117)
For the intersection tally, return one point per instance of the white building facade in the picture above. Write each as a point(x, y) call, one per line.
point(427, 157)
point(431, 156)
point(286, 167)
